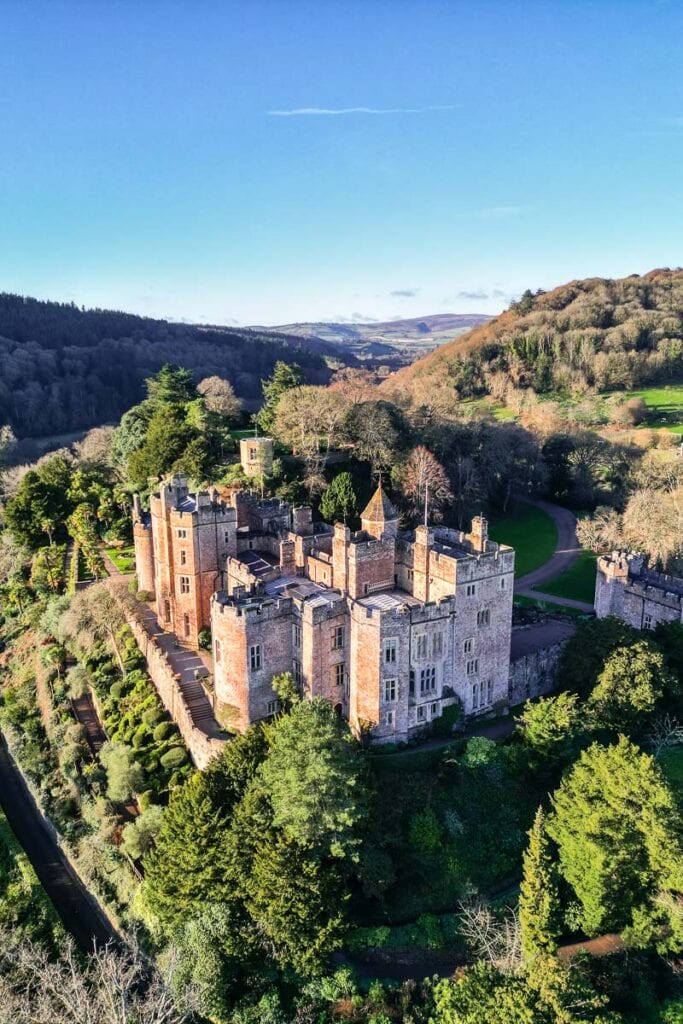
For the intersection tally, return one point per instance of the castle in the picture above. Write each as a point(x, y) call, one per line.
point(624, 587)
point(391, 627)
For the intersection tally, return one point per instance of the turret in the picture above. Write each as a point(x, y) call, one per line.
point(380, 518)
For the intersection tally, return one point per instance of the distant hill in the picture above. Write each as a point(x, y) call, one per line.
point(394, 341)
point(63, 368)
point(596, 333)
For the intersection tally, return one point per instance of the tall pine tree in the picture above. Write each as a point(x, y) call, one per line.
point(538, 900)
point(186, 868)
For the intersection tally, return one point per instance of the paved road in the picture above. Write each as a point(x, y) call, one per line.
point(566, 553)
point(79, 912)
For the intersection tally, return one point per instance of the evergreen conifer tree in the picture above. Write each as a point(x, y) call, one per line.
point(538, 901)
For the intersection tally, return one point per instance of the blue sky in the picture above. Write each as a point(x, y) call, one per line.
point(266, 162)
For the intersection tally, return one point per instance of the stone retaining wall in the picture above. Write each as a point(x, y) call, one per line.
point(534, 674)
point(202, 748)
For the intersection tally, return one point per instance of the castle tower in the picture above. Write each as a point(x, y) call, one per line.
point(144, 547)
point(380, 518)
point(256, 456)
point(193, 535)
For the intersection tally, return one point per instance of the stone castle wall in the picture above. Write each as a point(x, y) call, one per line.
point(202, 748)
point(534, 674)
point(641, 599)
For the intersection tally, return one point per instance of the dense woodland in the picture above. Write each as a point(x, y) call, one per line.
point(63, 368)
point(592, 335)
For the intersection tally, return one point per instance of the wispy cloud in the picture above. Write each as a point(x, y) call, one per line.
point(405, 293)
point(341, 111)
point(502, 212)
point(480, 295)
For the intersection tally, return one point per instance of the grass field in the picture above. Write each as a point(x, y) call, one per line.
point(531, 532)
point(671, 763)
point(577, 582)
point(123, 558)
point(665, 405)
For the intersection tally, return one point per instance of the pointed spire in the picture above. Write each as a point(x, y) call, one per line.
point(379, 515)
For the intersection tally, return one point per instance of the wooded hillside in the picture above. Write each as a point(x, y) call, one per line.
point(594, 334)
point(63, 368)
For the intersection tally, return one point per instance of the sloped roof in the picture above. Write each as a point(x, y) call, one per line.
point(379, 509)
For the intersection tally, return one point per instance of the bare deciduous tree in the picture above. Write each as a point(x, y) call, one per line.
point(424, 481)
point(219, 397)
point(492, 938)
point(112, 986)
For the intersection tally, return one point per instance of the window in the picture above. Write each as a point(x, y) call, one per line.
point(427, 679)
point(475, 695)
point(471, 589)
point(389, 690)
point(489, 692)
point(186, 624)
point(390, 651)
point(183, 556)
point(217, 652)
point(184, 584)
point(437, 644)
point(226, 536)
point(647, 622)
point(467, 645)
point(502, 583)
point(389, 718)
point(337, 638)
point(255, 657)
point(411, 684)
point(253, 454)
point(339, 673)
point(484, 617)
point(273, 707)
point(434, 710)
point(421, 646)
point(420, 713)
point(182, 534)
point(297, 634)
point(296, 672)
point(410, 575)
point(473, 667)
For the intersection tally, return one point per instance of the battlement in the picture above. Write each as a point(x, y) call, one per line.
point(625, 587)
point(251, 608)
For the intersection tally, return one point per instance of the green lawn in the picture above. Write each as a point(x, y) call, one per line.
point(123, 558)
point(577, 582)
point(531, 532)
point(665, 406)
point(671, 763)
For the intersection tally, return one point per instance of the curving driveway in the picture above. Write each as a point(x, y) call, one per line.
point(566, 553)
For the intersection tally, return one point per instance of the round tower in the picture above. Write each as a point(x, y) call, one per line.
point(144, 547)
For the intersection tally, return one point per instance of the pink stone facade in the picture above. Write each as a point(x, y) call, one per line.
point(390, 627)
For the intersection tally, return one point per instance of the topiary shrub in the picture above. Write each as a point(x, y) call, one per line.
point(204, 639)
point(173, 758)
point(163, 731)
point(152, 717)
point(117, 690)
point(141, 736)
point(146, 799)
